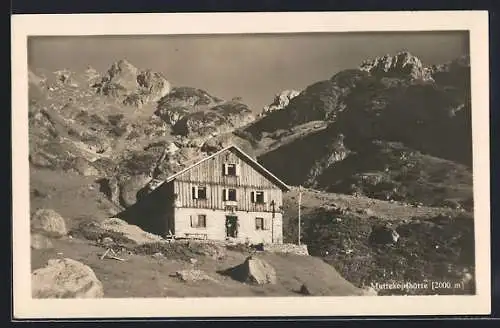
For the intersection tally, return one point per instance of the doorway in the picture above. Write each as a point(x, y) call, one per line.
point(231, 226)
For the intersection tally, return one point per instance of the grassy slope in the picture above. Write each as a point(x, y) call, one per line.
point(73, 196)
point(428, 248)
point(146, 276)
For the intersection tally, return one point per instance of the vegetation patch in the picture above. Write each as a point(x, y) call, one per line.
point(438, 249)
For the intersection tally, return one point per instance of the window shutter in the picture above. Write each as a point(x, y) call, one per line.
point(224, 194)
point(193, 223)
point(237, 169)
point(224, 169)
point(264, 194)
point(253, 196)
point(195, 192)
point(267, 224)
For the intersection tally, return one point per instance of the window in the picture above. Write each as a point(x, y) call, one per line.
point(231, 169)
point(199, 221)
point(259, 223)
point(199, 192)
point(229, 195)
point(258, 197)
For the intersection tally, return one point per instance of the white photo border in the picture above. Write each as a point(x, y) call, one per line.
point(476, 22)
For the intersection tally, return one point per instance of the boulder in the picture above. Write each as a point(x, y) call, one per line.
point(129, 231)
point(39, 241)
point(48, 222)
point(193, 275)
point(309, 290)
point(158, 255)
point(65, 278)
point(255, 271)
point(383, 235)
point(212, 250)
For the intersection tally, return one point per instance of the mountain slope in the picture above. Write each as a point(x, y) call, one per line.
point(394, 131)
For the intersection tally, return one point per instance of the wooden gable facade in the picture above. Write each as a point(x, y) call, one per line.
point(226, 188)
point(229, 178)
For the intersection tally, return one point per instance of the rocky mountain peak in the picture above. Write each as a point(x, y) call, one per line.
point(134, 87)
point(122, 67)
point(402, 65)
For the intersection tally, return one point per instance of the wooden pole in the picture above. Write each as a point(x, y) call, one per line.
point(300, 201)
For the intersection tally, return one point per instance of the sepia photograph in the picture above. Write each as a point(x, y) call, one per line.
point(252, 166)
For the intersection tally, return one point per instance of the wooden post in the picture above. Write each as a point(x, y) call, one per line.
point(300, 201)
point(272, 221)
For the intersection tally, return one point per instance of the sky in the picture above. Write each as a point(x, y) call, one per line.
point(253, 67)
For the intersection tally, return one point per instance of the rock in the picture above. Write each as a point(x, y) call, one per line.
point(129, 231)
point(84, 167)
point(130, 188)
point(182, 101)
point(307, 290)
point(65, 278)
point(40, 160)
point(403, 64)
point(158, 255)
point(121, 78)
point(213, 145)
point(280, 101)
point(107, 240)
point(217, 120)
point(49, 223)
point(172, 115)
point(136, 88)
point(313, 289)
point(65, 77)
point(257, 271)
point(193, 275)
point(39, 241)
point(367, 211)
point(153, 84)
point(92, 75)
point(110, 187)
point(383, 235)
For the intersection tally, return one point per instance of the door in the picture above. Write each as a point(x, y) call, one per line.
point(231, 226)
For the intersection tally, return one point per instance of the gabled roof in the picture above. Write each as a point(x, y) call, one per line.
point(259, 167)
